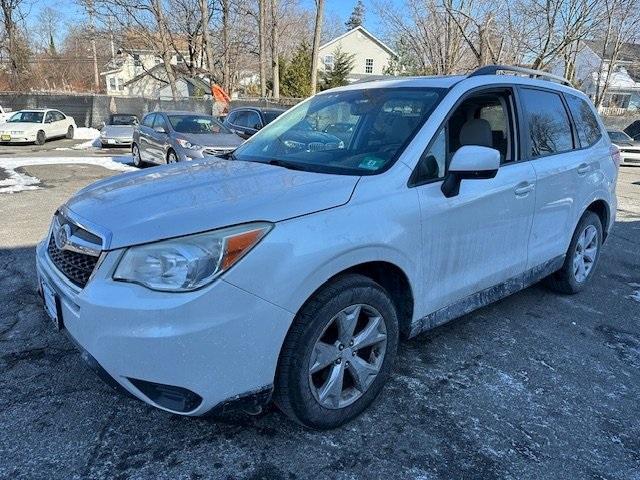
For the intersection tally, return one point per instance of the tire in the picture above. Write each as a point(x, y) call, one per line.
point(41, 138)
point(570, 278)
point(70, 132)
point(299, 390)
point(135, 153)
point(172, 157)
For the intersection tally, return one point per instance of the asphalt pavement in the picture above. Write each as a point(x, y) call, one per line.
point(538, 385)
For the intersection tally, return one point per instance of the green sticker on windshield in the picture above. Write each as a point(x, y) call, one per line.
point(371, 163)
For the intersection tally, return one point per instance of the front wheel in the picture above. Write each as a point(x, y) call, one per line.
point(135, 153)
point(172, 157)
point(41, 138)
point(338, 353)
point(70, 132)
point(582, 256)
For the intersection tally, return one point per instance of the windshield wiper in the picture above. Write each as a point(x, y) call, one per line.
point(284, 164)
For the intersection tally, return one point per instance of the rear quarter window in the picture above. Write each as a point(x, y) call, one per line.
point(585, 120)
point(548, 123)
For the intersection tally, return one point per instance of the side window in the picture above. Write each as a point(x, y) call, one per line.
point(242, 119)
point(484, 120)
point(549, 127)
point(586, 123)
point(159, 122)
point(49, 117)
point(148, 120)
point(231, 118)
point(58, 116)
point(253, 120)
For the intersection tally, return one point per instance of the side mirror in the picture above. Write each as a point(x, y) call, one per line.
point(470, 162)
point(160, 129)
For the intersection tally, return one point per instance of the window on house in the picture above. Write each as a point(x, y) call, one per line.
point(112, 83)
point(328, 62)
point(120, 84)
point(136, 60)
point(368, 65)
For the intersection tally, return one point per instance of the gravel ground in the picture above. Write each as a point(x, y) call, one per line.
point(535, 386)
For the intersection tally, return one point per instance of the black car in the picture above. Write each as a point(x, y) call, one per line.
point(633, 130)
point(245, 121)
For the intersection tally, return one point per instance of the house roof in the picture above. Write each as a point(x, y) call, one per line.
point(629, 55)
point(365, 32)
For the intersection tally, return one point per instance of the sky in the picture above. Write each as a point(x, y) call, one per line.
point(333, 8)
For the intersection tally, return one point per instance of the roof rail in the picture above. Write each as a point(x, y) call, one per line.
point(494, 69)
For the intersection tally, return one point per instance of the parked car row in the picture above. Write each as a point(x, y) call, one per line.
point(629, 148)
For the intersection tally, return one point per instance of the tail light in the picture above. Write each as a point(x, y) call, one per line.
point(615, 155)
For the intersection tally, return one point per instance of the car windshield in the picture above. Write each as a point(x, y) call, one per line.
point(271, 115)
point(618, 136)
point(351, 132)
point(27, 117)
point(122, 119)
point(198, 124)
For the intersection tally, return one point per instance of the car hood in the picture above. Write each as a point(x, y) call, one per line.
point(190, 197)
point(15, 126)
point(117, 130)
point(212, 140)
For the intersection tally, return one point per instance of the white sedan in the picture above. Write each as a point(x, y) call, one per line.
point(37, 126)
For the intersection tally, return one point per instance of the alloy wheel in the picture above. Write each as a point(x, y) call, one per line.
point(347, 356)
point(135, 152)
point(585, 254)
point(171, 158)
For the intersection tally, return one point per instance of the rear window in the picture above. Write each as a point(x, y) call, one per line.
point(548, 123)
point(586, 123)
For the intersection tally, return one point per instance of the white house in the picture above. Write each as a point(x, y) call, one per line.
point(124, 74)
point(623, 91)
point(370, 54)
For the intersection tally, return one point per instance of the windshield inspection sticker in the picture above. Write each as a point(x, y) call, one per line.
point(371, 163)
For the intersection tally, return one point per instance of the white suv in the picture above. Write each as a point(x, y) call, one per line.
point(367, 213)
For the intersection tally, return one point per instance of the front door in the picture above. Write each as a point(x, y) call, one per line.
point(478, 238)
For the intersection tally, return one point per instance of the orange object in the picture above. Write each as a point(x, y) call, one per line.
point(220, 96)
point(238, 245)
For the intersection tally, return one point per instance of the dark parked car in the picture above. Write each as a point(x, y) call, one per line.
point(170, 137)
point(245, 121)
point(633, 130)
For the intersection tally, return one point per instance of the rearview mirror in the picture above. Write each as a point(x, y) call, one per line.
point(470, 162)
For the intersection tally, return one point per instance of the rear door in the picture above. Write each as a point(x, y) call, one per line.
point(550, 146)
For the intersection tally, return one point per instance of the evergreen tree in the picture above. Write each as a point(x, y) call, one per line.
point(342, 66)
point(52, 45)
point(357, 16)
point(295, 75)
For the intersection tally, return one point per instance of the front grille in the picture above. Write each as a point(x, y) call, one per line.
point(217, 151)
point(77, 267)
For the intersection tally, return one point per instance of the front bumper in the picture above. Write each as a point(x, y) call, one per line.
point(25, 138)
point(116, 142)
point(220, 342)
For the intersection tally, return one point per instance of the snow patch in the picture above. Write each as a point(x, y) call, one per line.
point(84, 133)
point(19, 182)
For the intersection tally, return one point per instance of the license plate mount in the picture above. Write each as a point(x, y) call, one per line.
point(52, 305)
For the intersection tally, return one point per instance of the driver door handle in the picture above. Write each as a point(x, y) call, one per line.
point(583, 168)
point(523, 189)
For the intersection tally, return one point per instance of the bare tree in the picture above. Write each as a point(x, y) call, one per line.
point(621, 19)
point(13, 43)
point(206, 39)
point(146, 21)
point(317, 31)
point(262, 47)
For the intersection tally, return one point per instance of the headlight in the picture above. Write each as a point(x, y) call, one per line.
point(103, 134)
point(190, 262)
point(189, 145)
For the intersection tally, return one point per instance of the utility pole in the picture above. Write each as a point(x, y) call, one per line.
point(317, 32)
point(263, 50)
point(275, 59)
point(92, 29)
